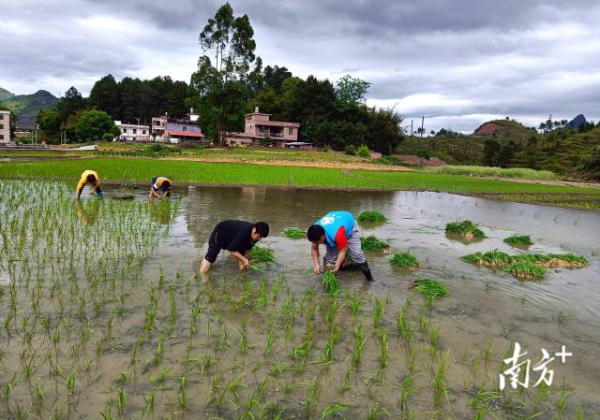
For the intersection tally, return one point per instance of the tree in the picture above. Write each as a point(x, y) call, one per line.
point(69, 104)
point(309, 99)
point(49, 122)
point(105, 96)
point(384, 132)
point(491, 148)
point(221, 83)
point(506, 153)
point(350, 92)
point(274, 77)
point(94, 125)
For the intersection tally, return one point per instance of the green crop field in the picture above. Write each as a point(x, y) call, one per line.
point(246, 174)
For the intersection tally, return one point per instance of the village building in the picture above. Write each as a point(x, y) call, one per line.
point(4, 127)
point(133, 132)
point(173, 130)
point(259, 130)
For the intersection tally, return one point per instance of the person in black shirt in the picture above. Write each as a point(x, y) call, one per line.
point(237, 237)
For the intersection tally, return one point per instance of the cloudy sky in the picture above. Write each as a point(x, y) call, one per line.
point(459, 63)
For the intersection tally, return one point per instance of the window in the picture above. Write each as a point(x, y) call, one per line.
point(134, 131)
point(290, 131)
point(1, 136)
point(1, 116)
point(1, 126)
point(124, 131)
point(184, 128)
point(144, 132)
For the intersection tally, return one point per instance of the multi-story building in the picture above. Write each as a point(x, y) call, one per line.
point(4, 127)
point(259, 130)
point(133, 132)
point(173, 130)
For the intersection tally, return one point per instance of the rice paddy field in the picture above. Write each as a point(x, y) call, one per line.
point(103, 314)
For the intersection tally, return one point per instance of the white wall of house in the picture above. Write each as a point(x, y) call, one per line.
point(133, 132)
point(4, 127)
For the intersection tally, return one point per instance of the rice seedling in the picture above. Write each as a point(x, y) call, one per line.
point(405, 328)
point(121, 400)
point(492, 258)
point(407, 388)
point(497, 258)
point(405, 259)
point(372, 244)
point(359, 342)
point(466, 229)
point(372, 216)
point(562, 319)
point(384, 346)
point(377, 411)
point(293, 233)
point(526, 271)
point(354, 301)
point(331, 283)
point(430, 288)
point(522, 241)
point(332, 409)
point(439, 382)
point(377, 313)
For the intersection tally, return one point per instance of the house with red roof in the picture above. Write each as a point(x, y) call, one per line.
point(174, 130)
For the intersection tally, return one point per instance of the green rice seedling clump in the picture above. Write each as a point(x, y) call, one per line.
point(466, 228)
point(497, 258)
point(519, 240)
point(331, 283)
point(405, 259)
point(293, 233)
point(372, 244)
point(374, 216)
point(491, 258)
point(259, 254)
point(526, 271)
point(430, 288)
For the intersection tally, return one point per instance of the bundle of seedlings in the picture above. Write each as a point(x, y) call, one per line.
point(519, 241)
point(497, 258)
point(405, 259)
point(331, 283)
point(526, 270)
point(466, 229)
point(261, 255)
point(293, 233)
point(373, 216)
point(372, 244)
point(430, 288)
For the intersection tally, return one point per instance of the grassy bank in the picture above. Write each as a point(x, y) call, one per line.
point(243, 174)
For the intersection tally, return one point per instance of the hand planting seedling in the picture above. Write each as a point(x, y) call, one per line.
point(372, 216)
point(405, 259)
point(466, 229)
point(261, 255)
point(331, 283)
point(372, 244)
point(293, 233)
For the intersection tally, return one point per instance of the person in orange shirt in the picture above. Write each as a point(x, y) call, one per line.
point(92, 178)
point(160, 184)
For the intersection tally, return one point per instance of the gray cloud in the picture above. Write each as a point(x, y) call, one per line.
point(460, 61)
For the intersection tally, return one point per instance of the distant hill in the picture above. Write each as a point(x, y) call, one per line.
point(576, 122)
point(27, 104)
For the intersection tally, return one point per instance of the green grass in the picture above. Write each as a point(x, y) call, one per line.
point(492, 258)
point(430, 288)
point(404, 259)
point(465, 228)
point(372, 244)
point(519, 240)
point(293, 233)
point(331, 283)
point(259, 254)
point(373, 216)
point(526, 270)
point(243, 174)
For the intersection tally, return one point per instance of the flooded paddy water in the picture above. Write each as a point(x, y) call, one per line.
point(102, 314)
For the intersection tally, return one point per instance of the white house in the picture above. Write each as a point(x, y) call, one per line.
point(4, 127)
point(133, 132)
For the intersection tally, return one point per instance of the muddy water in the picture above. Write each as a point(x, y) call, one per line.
point(487, 311)
point(484, 306)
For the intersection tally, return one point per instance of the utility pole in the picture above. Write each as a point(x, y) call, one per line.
point(411, 127)
point(422, 125)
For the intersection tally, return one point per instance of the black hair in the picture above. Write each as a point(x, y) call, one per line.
point(262, 229)
point(165, 185)
point(91, 178)
point(315, 232)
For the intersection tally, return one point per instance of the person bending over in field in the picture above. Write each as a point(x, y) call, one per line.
point(92, 178)
point(339, 232)
point(160, 184)
point(237, 237)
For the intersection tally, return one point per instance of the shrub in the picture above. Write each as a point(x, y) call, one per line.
point(351, 150)
point(155, 147)
point(363, 151)
point(390, 160)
